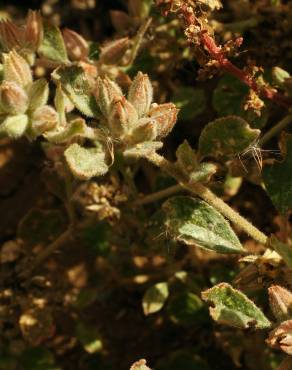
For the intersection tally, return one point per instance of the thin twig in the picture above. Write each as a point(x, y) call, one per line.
point(275, 129)
point(158, 195)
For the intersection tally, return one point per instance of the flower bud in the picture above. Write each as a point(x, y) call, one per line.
point(141, 94)
point(145, 131)
point(165, 116)
point(280, 302)
point(11, 36)
point(34, 31)
point(281, 337)
point(113, 51)
point(44, 119)
point(77, 47)
point(120, 20)
point(13, 99)
point(107, 91)
point(123, 117)
point(16, 69)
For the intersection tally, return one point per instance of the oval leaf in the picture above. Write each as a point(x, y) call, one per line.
point(231, 307)
point(226, 137)
point(193, 221)
point(154, 298)
point(85, 163)
point(76, 86)
point(190, 101)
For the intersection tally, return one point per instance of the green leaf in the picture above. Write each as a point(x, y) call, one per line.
point(154, 298)
point(143, 149)
point(89, 337)
point(75, 84)
point(229, 97)
point(186, 158)
point(278, 178)
point(38, 94)
point(193, 221)
point(284, 250)
point(14, 126)
point(231, 307)
point(73, 129)
point(190, 101)
point(52, 46)
point(226, 137)
point(85, 163)
point(186, 309)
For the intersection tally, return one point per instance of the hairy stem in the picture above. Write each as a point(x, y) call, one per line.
point(207, 195)
point(275, 129)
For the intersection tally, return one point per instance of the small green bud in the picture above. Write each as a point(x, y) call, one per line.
point(107, 91)
point(141, 94)
point(281, 337)
point(14, 126)
point(165, 116)
point(280, 302)
point(44, 119)
point(16, 69)
point(123, 117)
point(13, 98)
point(77, 47)
point(113, 51)
point(279, 75)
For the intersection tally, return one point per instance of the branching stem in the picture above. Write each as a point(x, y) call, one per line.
point(207, 195)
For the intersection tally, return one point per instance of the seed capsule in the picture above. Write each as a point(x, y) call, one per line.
point(123, 117)
point(141, 94)
point(165, 116)
point(280, 302)
point(13, 98)
point(16, 69)
point(107, 91)
point(77, 47)
point(44, 119)
point(281, 337)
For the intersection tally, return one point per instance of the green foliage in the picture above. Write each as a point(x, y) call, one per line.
point(226, 137)
point(154, 298)
point(85, 163)
point(190, 101)
point(278, 178)
point(52, 46)
point(193, 221)
point(231, 307)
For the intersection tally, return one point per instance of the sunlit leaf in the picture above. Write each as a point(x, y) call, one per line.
point(193, 221)
point(154, 298)
point(52, 46)
point(233, 308)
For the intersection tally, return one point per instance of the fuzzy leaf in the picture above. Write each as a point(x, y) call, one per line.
point(231, 307)
point(73, 129)
point(76, 86)
point(278, 178)
point(14, 126)
point(52, 46)
point(186, 158)
point(226, 137)
point(143, 149)
point(154, 298)
point(38, 94)
point(85, 163)
point(190, 101)
point(193, 221)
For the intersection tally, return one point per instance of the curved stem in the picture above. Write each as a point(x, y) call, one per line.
point(207, 195)
point(275, 129)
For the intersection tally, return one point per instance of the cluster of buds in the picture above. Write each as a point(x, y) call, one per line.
point(23, 102)
point(134, 119)
point(281, 305)
point(28, 38)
